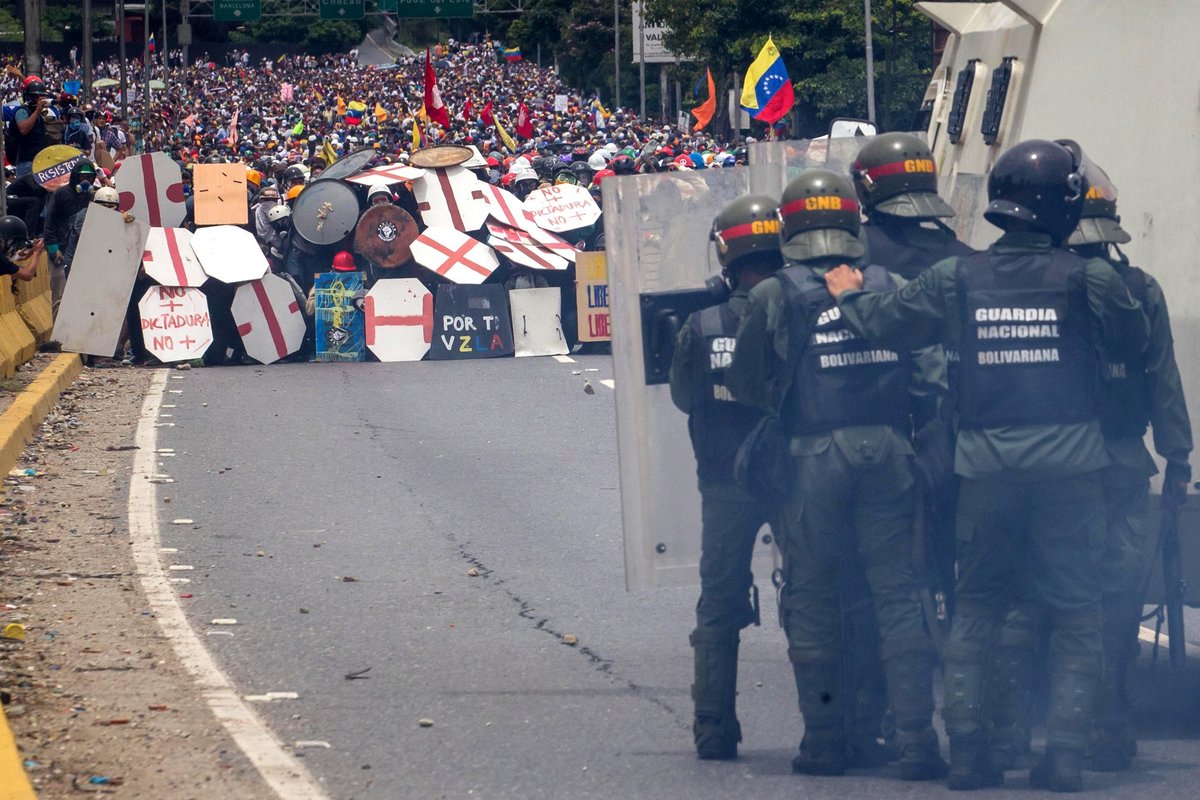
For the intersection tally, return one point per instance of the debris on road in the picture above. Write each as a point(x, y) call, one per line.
point(570, 639)
point(359, 675)
point(425, 722)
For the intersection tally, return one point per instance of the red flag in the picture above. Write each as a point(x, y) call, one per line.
point(467, 110)
point(524, 123)
point(485, 114)
point(704, 112)
point(434, 106)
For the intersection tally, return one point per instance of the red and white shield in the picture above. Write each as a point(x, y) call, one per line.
point(529, 255)
point(454, 255)
point(175, 323)
point(388, 173)
point(268, 318)
point(451, 197)
point(399, 318)
point(229, 253)
point(169, 258)
point(506, 208)
point(562, 208)
point(151, 188)
point(555, 244)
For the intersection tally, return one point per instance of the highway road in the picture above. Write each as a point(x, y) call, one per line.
point(338, 513)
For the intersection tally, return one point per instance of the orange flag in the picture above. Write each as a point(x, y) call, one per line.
point(704, 112)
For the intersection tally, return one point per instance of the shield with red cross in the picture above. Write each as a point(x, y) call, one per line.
point(169, 258)
point(562, 208)
point(554, 243)
point(388, 173)
point(454, 255)
point(175, 323)
point(268, 318)
point(505, 208)
point(527, 254)
point(151, 188)
point(229, 253)
point(451, 197)
point(399, 318)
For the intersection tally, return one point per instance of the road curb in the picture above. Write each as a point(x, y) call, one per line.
point(17, 426)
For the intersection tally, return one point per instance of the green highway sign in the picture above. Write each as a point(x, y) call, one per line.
point(343, 9)
point(237, 10)
point(434, 8)
point(387, 6)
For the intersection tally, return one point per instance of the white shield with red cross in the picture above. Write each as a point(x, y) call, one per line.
point(229, 253)
point(454, 255)
point(399, 317)
point(451, 197)
point(175, 323)
point(555, 244)
point(268, 318)
point(151, 188)
point(527, 254)
point(169, 258)
point(388, 173)
point(540, 240)
point(562, 208)
point(505, 208)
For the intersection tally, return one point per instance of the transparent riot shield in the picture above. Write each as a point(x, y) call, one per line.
point(774, 164)
point(656, 231)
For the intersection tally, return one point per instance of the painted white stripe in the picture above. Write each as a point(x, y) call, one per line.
point(1147, 636)
point(609, 382)
point(564, 359)
point(286, 776)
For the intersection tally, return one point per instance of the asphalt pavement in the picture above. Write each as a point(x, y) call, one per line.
point(338, 513)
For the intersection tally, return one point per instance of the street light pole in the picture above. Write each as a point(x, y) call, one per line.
point(124, 77)
point(617, 53)
point(85, 73)
point(870, 63)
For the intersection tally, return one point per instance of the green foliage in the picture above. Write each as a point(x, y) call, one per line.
point(326, 36)
point(61, 23)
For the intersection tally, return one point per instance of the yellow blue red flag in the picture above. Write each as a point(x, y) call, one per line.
point(767, 93)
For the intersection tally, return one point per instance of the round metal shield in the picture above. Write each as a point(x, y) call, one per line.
point(326, 212)
point(349, 164)
point(384, 234)
point(441, 155)
point(52, 165)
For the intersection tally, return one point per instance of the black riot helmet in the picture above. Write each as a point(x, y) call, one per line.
point(293, 176)
point(13, 233)
point(821, 217)
point(894, 173)
point(1099, 222)
point(34, 90)
point(1039, 184)
point(749, 226)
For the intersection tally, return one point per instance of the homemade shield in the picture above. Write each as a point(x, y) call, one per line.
point(454, 255)
point(268, 318)
point(339, 322)
point(175, 323)
point(562, 208)
point(527, 254)
point(93, 304)
point(443, 155)
point(389, 173)
point(471, 322)
point(384, 234)
point(170, 260)
point(505, 208)
point(399, 319)
point(452, 197)
point(537, 322)
point(326, 212)
point(349, 164)
point(229, 254)
point(52, 165)
point(656, 228)
point(151, 188)
point(220, 194)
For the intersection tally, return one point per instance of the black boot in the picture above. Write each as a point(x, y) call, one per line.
point(910, 687)
point(1060, 770)
point(714, 691)
point(822, 702)
point(971, 764)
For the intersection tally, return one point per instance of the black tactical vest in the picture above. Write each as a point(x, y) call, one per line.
point(907, 249)
point(1125, 407)
point(718, 424)
point(1026, 355)
point(841, 380)
point(26, 146)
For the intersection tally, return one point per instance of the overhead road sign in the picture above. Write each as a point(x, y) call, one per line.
point(237, 10)
point(342, 9)
point(434, 8)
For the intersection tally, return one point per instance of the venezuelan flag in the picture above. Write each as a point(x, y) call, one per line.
point(355, 112)
point(512, 54)
point(767, 91)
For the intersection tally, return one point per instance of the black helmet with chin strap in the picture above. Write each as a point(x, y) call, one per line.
point(1038, 184)
point(749, 226)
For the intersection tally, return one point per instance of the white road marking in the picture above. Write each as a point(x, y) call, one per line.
point(564, 359)
point(609, 382)
point(1147, 635)
point(286, 776)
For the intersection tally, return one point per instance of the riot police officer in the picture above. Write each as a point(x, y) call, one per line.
point(896, 181)
point(844, 404)
point(1025, 316)
point(746, 234)
point(1141, 391)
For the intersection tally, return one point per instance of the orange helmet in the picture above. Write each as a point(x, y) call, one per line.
point(344, 262)
point(294, 192)
point(254, 177)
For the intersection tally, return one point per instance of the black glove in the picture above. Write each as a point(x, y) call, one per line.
point(1175, 483)
point(934, 461)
